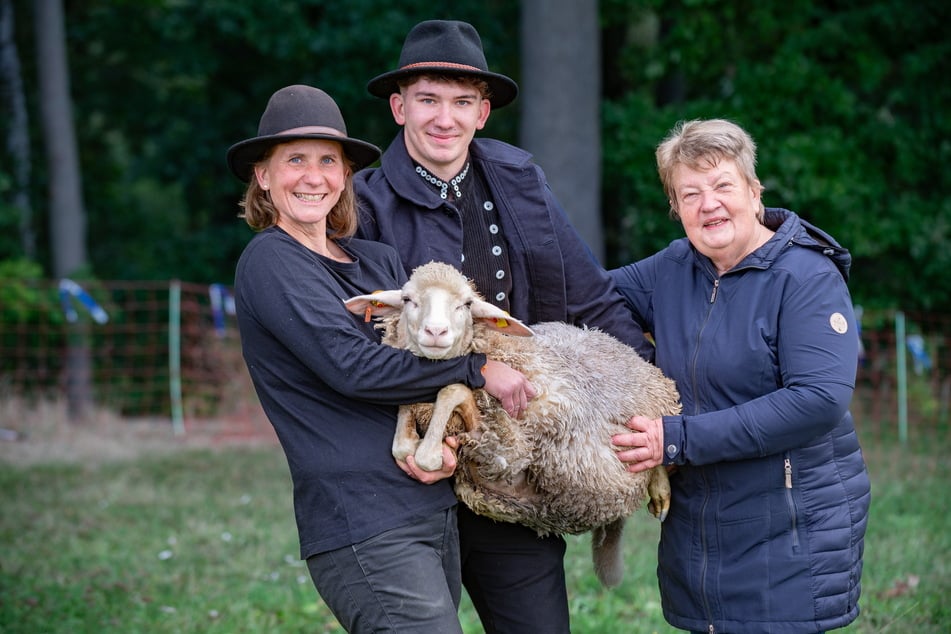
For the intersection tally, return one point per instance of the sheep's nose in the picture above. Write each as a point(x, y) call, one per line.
point(436, 330)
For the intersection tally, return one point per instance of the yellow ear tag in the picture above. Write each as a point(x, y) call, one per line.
point(501, 323)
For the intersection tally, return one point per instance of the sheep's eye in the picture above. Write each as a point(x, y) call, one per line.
point(408, 300)
point(468, 305)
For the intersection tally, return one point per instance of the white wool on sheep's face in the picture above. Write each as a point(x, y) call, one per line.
point(436, 321)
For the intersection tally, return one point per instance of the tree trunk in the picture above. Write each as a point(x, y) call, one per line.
point(560, 99)
point(67, 217)
point(18, 139)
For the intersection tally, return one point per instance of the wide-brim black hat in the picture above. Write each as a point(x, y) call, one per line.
point(298, 112)
point(444, 47)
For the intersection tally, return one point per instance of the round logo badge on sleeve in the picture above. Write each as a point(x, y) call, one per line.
point(839, 323)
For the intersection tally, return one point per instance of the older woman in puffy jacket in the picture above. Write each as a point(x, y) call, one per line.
point(752, 318)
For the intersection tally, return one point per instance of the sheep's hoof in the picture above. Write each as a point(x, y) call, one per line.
point(429, 461)
point(403, 449)
point(659, 508)
point(658, 488)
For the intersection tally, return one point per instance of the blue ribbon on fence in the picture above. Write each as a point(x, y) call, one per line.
point(70, 290)
point(919, 354)
point(222, 302)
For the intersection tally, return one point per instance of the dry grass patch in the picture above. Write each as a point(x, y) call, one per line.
point(42, 433)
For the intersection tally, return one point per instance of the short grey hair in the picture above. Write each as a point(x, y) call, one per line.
point(701, 144)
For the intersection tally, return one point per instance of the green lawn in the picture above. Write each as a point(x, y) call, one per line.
point(203, 540)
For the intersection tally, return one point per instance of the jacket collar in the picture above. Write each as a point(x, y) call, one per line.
point(398, 168)
point(789, 229)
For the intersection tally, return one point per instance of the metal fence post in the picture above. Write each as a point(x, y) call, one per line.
point(175, 355)
point(902, 377)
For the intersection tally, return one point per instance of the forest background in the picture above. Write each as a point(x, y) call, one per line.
point(848, 101)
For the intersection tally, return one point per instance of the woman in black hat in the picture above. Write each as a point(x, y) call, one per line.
point(486, 208)
point(381, 547)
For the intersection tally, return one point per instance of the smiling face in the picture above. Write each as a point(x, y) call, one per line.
point(305, 178)
point(439, 120)
point(718, 209)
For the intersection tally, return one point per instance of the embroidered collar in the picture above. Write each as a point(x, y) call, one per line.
point(441, 184)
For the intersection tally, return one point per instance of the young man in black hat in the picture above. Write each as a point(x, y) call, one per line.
point(483, 206)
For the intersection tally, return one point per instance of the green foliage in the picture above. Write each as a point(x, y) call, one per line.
point(166, 86)
point(19, 296)
point(847, 101)
point(635, 201)
point(849, 107)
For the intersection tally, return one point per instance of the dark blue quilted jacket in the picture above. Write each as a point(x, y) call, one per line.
point(771, 495)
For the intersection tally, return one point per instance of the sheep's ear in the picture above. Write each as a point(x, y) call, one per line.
point(497, 319)
point(378, 304)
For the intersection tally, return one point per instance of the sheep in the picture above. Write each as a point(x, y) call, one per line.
point(555, 469)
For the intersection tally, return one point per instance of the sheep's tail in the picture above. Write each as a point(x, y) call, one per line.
point(606, 552)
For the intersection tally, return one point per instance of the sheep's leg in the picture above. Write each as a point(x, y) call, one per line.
point(405, 440)
point(455, 398)
point(658, 489)
point(606, 552)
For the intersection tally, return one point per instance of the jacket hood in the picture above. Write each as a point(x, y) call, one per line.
point(790, 228)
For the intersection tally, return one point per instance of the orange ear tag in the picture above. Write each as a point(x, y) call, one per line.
point(369, 311)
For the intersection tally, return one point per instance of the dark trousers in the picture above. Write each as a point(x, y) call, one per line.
point(404, 580)
point(516, 580)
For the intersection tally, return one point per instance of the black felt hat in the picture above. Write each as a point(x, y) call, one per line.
point(444, 47)
point(298, 112)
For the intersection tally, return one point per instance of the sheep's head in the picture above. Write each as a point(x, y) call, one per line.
point(433, 314)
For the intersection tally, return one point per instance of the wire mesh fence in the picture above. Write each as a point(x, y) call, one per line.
point(903, 383)
point(171, 349)
point(140, 349)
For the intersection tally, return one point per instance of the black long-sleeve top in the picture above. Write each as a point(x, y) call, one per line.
point(332, 390)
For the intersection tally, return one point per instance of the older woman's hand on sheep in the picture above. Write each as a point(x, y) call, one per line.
point(449, 446)
point(509, 386)
point(643, 448)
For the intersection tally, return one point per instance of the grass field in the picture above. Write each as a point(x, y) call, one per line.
point(116, 529)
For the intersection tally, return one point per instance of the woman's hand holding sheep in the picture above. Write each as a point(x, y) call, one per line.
point(449, 446)
point(642, 449)
point(509, 386)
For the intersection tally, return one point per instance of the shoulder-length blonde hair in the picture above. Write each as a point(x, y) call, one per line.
point(701, 144)
point(260, 213)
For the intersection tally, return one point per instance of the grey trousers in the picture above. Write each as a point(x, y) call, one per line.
point(404, 580)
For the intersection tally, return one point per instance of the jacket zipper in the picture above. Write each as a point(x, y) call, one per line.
point(716, 287)
point(703, 509)
point(787, 474)
point(693, 362)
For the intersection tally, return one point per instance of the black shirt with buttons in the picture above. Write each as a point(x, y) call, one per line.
point(485, 258)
